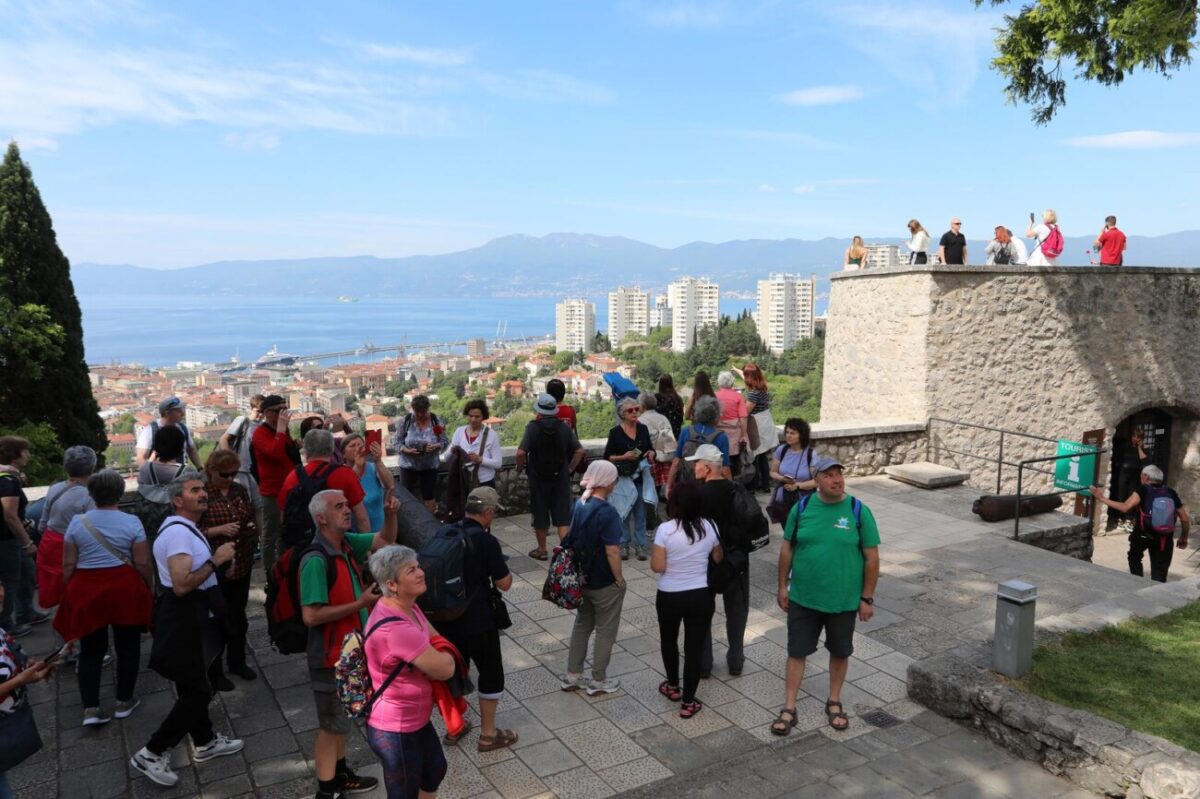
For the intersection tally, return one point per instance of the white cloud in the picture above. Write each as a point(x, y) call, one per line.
point(544, 85)
point(806, 188)
point(35, 142)
point(821, 95)
point(767, 188)
point(252, 141)
point(688, 14)
point(1137, 140)
point(424, 56)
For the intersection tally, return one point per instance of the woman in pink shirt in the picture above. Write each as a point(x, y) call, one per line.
point(398, 728)
point(733, 419)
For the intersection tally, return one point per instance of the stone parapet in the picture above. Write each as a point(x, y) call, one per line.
point(1097, 754)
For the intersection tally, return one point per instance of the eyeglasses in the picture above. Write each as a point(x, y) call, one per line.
point(634, 411)
point(228, 475)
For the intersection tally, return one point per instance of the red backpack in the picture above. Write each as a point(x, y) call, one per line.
point(1052, 247)
point(285, 624)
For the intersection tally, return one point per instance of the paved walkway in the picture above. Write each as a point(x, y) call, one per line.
point(940, 568)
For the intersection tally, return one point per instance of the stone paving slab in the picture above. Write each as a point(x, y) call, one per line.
point(632, 741)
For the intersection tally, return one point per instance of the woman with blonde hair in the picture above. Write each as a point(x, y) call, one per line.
point(918, 245)
point(856, 254)
point(1041, 233)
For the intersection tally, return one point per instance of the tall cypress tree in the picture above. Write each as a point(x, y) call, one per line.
point(41, 334)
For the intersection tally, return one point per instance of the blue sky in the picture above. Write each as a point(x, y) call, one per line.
point(173, 134)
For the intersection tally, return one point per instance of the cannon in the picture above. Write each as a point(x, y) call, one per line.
point(999, 507)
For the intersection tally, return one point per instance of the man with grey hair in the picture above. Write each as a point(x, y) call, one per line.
point(1159, 507)
point(702, 431)
point(316, 475)
point(335, 599)
point(187, 637)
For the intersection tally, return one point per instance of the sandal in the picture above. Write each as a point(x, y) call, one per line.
point(782, 726)
point(836, 715)
point(669, 691)
point(502, 739)
point(450, 739)
point(539, 554)
point(689, 709)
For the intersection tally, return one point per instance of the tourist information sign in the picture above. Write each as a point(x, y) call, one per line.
point(1074, 473)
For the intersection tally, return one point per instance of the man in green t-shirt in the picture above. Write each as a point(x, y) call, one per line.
point(828, 567)
point(332, 606)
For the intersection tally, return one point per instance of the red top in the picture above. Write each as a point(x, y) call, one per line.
point(567, 414)
point(342, 478)
point(1112, 247)
point(271, 455)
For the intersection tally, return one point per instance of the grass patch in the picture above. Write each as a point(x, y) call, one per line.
point(1142, 673)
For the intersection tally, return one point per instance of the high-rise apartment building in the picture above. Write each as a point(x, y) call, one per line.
point(660, 312)
point(694, 304)
point(628, 312)
point(880, 256)
point(476, 348)
point(574, 326)
point(785, 310)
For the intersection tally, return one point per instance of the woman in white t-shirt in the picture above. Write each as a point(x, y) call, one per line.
point(682, 548)
point(918, 245)
point(1041, 233)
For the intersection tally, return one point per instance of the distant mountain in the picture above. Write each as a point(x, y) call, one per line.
point(556, 265)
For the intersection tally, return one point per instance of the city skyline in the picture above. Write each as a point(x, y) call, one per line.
point(169, 136)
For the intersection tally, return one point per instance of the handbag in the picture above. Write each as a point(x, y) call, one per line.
point(19, 739)
point(500, 617)
point(778, 509)
point(720, 575)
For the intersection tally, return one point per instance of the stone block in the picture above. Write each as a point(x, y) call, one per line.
point(1167, 780)
point(923, 474)
point(944, 685)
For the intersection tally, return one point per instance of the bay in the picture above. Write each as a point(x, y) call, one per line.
point(158, 329)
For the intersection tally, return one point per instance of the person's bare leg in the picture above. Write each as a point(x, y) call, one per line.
point(487, 717)
point(837, 677)
point(541, 538)
point(795, 676)
point(562, 533)
point(326, 753)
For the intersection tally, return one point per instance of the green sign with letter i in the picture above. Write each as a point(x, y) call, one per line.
point(1074, 473)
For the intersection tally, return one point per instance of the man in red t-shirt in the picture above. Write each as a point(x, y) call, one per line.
point(318, 451)
point(275, 454)
point(557, 389)
point(1110, 243)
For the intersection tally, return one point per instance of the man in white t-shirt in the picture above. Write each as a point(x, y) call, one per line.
point(170, 411)
point(184, 646)
point(237, 439)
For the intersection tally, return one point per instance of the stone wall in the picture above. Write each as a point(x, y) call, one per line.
point(1075, 541)
point(1051, 351)
point(1097, 754)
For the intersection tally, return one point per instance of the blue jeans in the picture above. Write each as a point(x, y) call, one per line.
point(635, 521)
point(17, 575)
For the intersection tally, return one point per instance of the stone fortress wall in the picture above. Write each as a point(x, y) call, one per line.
point(1048, 351)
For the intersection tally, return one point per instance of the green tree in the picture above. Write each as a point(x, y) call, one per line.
point(660, 336)
point(563, 361)
point(601, 343)
point(124, 424)
point(390, 409)
point(1106, 39)
point(41, 335)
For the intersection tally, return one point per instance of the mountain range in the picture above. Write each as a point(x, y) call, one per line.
point(556, 265)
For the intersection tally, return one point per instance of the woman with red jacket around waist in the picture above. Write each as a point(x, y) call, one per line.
point(399, 729)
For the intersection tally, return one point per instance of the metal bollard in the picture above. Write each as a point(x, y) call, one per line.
point(1012, 648)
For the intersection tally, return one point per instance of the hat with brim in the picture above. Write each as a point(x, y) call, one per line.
point(272, 402)
point(825, 464)
point(707, 452)
point(482, 498)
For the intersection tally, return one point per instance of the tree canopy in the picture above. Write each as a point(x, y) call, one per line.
point(1106, 39)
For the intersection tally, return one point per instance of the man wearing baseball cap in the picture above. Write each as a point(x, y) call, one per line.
point(170, 412)
point(474, 633)
point(828, 567)
point(548, 454)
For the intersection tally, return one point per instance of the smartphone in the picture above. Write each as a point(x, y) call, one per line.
point(1031, 217)
point(373, 437)
point(55, 655)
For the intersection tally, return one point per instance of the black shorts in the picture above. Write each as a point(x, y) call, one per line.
point(550, 502)
point(421, 483)
point(804, 627)
point(482, 649)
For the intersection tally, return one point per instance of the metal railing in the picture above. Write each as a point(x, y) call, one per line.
point(1021, 466)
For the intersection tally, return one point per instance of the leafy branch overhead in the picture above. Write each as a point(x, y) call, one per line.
point(1105, 39)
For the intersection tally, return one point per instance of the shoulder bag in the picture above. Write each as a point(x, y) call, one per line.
point(778, 509)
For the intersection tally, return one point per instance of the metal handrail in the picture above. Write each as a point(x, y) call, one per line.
point(1097, 451)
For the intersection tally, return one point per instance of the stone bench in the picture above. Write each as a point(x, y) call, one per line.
point(923, 474)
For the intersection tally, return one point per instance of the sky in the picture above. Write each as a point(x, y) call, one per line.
point(173, 134)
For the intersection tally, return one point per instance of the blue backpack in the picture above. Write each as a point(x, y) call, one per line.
point(802, 503)
point(1158, 511)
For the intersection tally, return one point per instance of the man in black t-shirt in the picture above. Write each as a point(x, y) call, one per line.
point(474, 633)
point(953, 246)
point(716, 498)
point(550, 451)
point(1161, 546)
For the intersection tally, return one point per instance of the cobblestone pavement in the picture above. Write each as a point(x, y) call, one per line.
point(935, 595)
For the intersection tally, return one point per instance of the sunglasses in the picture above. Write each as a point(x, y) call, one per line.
point(228, 475)
point(632, 410)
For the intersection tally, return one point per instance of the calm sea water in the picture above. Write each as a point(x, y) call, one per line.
point(158, 330)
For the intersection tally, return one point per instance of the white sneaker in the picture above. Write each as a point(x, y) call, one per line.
point(124, 710)
point(94, 717)
point(573, 682)
point(157, 768)
point(605, 687)
point(217, 747)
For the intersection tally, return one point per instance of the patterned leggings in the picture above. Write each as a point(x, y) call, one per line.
point(412, 761)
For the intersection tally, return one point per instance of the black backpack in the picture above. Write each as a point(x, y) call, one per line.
point(752, 531)
point(546, 460)
point(687, 469)
point(1003, 255)
point(298, 524)
point(235, 444)
point(407, 424)
point(443, 561)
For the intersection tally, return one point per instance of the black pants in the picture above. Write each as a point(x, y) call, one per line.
point(189, 714)
point(737, 611)
point(127, 641)
point(762, 467)
point(1161, 549)
point(695, 610)
point(237, 595)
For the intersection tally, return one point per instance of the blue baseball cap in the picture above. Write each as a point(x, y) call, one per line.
point(824, 464)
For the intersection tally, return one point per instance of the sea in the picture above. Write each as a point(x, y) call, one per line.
point(165, 329)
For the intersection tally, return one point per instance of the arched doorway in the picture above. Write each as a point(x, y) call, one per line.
point(1156, 429)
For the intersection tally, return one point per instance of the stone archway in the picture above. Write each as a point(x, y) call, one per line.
point(1171, 441)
